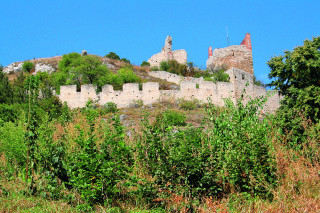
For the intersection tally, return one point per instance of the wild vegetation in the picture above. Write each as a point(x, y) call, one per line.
point(233, 159)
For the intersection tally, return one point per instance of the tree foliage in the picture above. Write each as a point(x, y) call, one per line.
point(112, 55)
point(297, 75)
point(298, 69)
point(27, 66)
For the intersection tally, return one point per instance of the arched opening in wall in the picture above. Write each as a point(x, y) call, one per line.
point(235, 76)
point(242, 75)
point(78, 88)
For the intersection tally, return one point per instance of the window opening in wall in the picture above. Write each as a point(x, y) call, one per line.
point(242, 76)
point(235, 76)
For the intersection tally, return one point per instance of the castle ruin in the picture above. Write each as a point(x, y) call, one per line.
point(237, 59)
point(239, 56)
point(167, 54)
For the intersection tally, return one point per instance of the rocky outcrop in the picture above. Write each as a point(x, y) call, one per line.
point(13, 68)
point(43, 68)
point(16, 67)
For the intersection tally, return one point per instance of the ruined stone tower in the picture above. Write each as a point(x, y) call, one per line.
point(238, 56)
point(167, 54)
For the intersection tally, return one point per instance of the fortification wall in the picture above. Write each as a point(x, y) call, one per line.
point(239, 81)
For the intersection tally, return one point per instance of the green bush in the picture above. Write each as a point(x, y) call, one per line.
point(27, 66)
point(164, 66)
point(145, 64)
point(13, 145)
point(232, 154)
point(110, 107)
point(95, 170)
point(125, 60)
point(128, 76)
point(188, 104)
point(112, 55)
point(6, 90)
point(10, 113)
point(170, 118)
point(155, 68)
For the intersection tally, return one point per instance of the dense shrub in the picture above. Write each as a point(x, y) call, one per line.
point(125, 60)
point(27, 66)
point(164, 66)
point(10, 113)
point(110, 107)
point(188, 104)
point(13, 145)
point(155, 68)
point(233, 154)
point(112, 55)
point(145, 64)
point(170, 118)
point(6, 90)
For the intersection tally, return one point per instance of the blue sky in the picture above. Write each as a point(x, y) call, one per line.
point(137, 29)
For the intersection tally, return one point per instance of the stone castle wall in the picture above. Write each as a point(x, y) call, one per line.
point(150, 93)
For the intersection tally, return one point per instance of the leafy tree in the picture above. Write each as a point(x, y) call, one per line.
point(297, 75)
point(145, 64)
point(27, 66)
point(67, 59)
point(298, 69)
point(125, 60)
point(112, 55)
point(77, 69)
point(128, 76)
point(88, 69)
point(19, 89)
point(6, 93)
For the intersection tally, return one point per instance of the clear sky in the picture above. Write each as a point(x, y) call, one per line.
point(137, 29)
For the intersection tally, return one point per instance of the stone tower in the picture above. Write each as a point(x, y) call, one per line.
point(167, 54)
point(238, 56)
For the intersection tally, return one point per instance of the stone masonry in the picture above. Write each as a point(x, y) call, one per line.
point(167, 54)
point(190, 88)
point(238, 56)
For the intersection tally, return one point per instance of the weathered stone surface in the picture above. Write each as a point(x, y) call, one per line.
point(167, 54)
point(238, 56)
point(13, 68)
point(40, 67)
